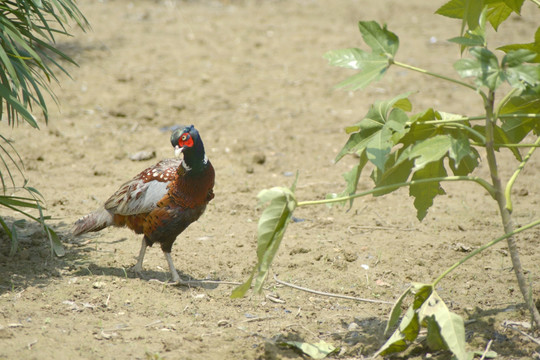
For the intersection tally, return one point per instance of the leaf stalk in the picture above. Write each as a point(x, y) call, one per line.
point(477, 180)
point(426, 72)
point(510, 184)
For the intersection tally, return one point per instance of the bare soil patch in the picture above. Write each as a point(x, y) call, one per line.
point(251, 77)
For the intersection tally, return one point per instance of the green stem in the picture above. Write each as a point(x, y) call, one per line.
point(477, 180)
point(536, 2)
point(506, 216)
point(510, 184)
point(426, 72)
point(472, 118)
point(484, 247)
point(509, 145)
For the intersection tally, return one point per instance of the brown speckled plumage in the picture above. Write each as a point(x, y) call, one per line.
point(161, 201)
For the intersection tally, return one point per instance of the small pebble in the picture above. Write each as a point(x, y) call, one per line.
point(142, 155)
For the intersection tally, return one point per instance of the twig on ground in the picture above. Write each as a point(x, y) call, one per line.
point(196, 282)
point(330, 294)
point(258, 319)
point(533, 339)
point(487, 349)
point(366, 227)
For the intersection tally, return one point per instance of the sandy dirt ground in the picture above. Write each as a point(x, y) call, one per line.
point(251, 77)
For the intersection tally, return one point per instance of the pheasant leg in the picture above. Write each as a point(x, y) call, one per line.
point(174, 273)
point(137, 268)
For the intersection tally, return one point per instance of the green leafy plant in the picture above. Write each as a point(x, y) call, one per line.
point(28, 59)
point(422, 151)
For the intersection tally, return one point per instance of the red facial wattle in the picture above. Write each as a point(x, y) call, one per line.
point(185, 141)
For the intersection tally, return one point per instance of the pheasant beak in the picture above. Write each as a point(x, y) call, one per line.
point(178, 150)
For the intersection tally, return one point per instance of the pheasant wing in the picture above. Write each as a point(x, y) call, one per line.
point(141, 194)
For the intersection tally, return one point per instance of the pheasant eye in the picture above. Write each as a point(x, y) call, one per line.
point(185, 140)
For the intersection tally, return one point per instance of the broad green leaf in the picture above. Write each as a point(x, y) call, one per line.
point(357, 143)
point(452, 328)
point(500, 137)
point(380, 40)
point(271, 228)
point(373, 66)
point(318, 350)
point(396, 343)
point(517, 76)
point(498, 12)
point(515, 5)
point(379, 147)
point(459, 148)
point(421, 293)
point(346, 58)
point(351, 179)
point(375, 120)
point(434, 339)
point(470, 11)
point(523, 104)
point(379, 111)
point(430, 150)
point(395, 172)
point(425, 193)
point(517, 57)
point(395, 313)
point(518, 128)
point(533, 47)
point(484, 68)
point(407, 331)
point(466, 165)
point(467, 10)
point(468, 40)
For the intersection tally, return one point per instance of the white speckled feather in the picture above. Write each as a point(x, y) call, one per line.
point(141, 194)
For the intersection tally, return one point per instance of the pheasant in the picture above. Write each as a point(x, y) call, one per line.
point(161, 201)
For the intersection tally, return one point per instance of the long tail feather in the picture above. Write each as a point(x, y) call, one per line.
point(95, 221)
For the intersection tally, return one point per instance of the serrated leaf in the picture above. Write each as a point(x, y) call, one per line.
point(425, 193)
point(498, 12)
point(517, 76)
point(346, 58)
point(533, 47)
point(466, 165)
point(271, 228)
point(468, 40)
point(470, 11)
point(459, 148)
point(430, 150)
point(318, 350)
point(403, 103)
point(380, 40)
point(374, 121)
point(373, 67)
point(517, 57)
point(484, 68)
point(396, 171)
point(452, 327)
point(515, 5)
point(351, 179)
point(500, 137)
